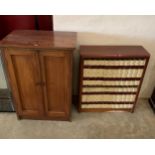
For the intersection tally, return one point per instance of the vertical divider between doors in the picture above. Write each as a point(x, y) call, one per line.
point(43, 81)
point(38, 80)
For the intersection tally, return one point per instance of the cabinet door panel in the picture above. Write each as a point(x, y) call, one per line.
point(56, 72)
point(24, 75)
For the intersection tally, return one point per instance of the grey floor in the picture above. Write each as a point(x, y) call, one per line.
point(140, 124)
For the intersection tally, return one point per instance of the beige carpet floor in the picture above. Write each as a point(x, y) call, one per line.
point(140, 124)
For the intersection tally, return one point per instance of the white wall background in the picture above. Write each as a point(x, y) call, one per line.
point(114, 30)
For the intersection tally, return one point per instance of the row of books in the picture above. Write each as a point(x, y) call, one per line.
point(111, 83)
point(109, 98)
point(113, 73)
point(114, 62)
point(111, 89)
point(113, 106)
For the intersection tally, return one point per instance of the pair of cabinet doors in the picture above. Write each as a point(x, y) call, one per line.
point(40, 82)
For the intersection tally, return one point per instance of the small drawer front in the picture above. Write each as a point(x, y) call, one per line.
point(110, 83)
point(114, 62)
point(112, 73)
point(111, 89)
point(108, 98)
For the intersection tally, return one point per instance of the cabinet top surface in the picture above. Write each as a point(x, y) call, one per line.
point(113, 51)
point(40, 39)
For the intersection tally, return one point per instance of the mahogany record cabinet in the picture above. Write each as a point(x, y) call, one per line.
point(111, 77)
point(39, 69)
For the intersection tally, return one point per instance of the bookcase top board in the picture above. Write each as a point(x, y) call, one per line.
point(40, 39)
point(98, 51)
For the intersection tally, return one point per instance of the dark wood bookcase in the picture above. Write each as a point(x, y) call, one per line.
point(111, 77)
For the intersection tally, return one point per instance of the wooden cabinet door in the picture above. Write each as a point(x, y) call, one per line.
point(24, 76)
point(56, 71)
